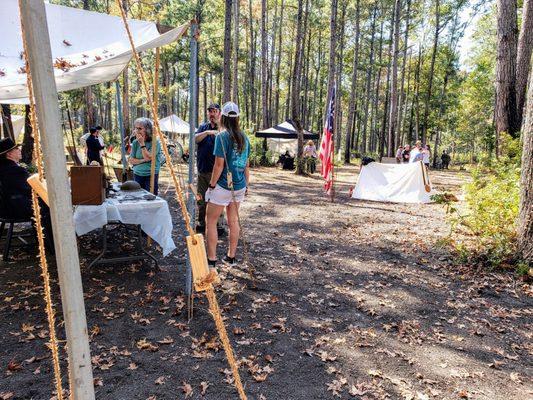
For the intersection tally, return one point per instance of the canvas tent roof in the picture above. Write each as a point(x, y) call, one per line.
point(285, 130)
point(87, 47)
point(394, 183)
point(175, 124)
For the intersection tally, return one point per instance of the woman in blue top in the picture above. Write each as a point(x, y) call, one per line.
point(229, 182)
point(141, 154)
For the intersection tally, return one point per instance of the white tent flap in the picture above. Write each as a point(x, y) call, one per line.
point(175, 124)
point(395, 183)
point(87, 47)
point(18, 124)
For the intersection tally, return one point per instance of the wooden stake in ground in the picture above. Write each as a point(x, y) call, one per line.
point(39, 55)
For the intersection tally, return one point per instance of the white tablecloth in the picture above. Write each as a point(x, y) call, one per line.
point(153, 216)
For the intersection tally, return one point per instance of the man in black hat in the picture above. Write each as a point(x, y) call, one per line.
point(15, 192)
point(94, 145)
point(205, 144)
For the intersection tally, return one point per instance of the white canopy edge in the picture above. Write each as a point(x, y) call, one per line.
point(174, 124)
point(92, 47)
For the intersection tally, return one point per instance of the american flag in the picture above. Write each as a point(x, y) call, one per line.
point(326, 147)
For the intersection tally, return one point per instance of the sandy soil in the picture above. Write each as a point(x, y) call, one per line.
point(355, 300)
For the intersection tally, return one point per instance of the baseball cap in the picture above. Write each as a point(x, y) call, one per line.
point(214, 106)
point(230, 109)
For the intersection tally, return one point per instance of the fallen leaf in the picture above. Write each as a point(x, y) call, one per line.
point(203, 387)
point(14, 366)
point(515, 377)
point(187, 389)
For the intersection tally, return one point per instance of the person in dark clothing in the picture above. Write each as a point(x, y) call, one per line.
point(205, 160)
point(94, 146)
point(406, 154)
point(15, 192)
point(288, 161)
point(445, 158)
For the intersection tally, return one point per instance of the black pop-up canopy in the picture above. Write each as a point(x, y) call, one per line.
point(285, 130)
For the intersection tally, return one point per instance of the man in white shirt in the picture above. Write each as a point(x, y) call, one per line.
point(416, 153)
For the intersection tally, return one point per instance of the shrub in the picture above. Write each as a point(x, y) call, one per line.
point(491, 212)
point(492, 200)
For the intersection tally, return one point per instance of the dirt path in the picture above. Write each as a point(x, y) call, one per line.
point(355, 300)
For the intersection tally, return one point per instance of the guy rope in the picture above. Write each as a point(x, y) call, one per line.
point(195, 243)
point(54, 347)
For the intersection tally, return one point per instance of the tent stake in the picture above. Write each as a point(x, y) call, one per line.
point(46, 100)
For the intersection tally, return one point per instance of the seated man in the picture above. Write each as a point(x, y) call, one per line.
point(287, 161)
point(16, 192)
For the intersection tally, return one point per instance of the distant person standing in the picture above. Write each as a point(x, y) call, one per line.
point(415, 154)
point(426, 155)
point(399, 153)
point(141, 154)
point(445, 158)
point(310, 156)
point(95, 144)
point(205, 160)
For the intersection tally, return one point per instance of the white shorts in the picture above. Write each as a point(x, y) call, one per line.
point(223, 197)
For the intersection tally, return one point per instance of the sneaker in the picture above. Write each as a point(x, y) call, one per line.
point(200, 228)
point(229, 261)
point(211, 263)
point(221, 231)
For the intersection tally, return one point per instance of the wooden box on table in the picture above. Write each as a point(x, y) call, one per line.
point(87, 185)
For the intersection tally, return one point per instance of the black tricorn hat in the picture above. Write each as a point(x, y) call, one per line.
point(6, 145)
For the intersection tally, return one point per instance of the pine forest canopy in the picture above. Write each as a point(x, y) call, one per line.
point(393, 61)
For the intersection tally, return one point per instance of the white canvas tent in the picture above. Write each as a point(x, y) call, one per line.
point(18, 125)
point(394, 183)
point(174, 124)
point(87, 47)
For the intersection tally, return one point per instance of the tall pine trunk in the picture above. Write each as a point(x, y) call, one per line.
point(429, 92)
point(369, 69)
point(402, 101)
point(226, 94)
point(523, 61)
point(393, 120)
point(353, 109)
point(525, 219)
point(295, 102)
point(264, 66)
point(505, 107)
point(236, 12)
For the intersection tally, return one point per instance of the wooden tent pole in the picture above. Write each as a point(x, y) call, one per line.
point(154, 138)
point(193, 123)
point(46, 100)
point(122, 133)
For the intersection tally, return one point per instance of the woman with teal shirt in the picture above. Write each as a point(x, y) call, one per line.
point(141, 154)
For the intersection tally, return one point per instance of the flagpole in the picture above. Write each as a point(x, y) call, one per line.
point(332, 190)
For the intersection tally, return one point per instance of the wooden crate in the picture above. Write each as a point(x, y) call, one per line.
point(87, 185)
